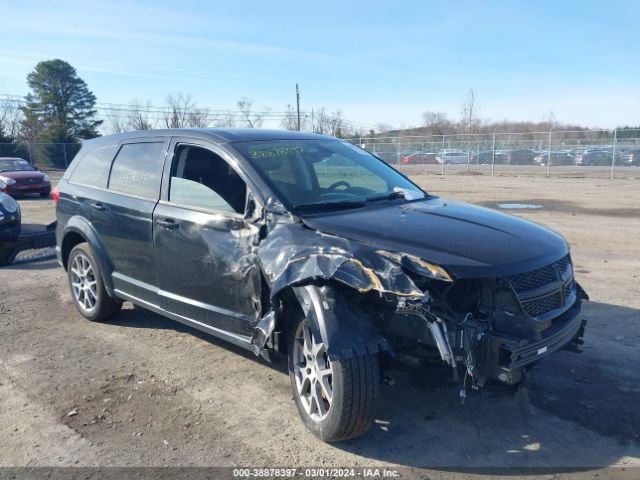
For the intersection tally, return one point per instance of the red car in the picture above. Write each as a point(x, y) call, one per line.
point(420, 158)
point(21, 177)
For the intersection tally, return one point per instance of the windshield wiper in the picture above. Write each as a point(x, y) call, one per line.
point(387, 196)
point(330, 205)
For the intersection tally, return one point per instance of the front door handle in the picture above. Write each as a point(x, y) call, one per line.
point(168, 223)
point(98, 206)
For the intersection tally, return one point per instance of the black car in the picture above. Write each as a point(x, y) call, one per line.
point(594, 158)
point(557, 158)
point(488, 157)
point(304, 245)
point(521, 157)
point(10, 221)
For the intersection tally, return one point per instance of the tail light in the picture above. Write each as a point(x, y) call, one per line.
point(55, 194)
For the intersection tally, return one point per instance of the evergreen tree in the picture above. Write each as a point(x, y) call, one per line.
point(60, 107)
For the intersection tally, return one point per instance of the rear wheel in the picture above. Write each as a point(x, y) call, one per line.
point(87, 289)
point(335, 399)
point(45, 194)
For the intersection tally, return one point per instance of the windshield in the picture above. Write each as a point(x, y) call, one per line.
point(310, 174)
point(15, 165)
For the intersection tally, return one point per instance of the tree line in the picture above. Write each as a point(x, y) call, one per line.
point(60, 109)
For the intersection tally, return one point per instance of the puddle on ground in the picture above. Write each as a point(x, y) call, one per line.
point(517, 206)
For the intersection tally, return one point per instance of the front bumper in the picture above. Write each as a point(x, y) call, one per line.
point(506, 358)
point(27, 188)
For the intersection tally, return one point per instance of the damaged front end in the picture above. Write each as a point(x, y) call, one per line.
point(495, 328)
point(360, 299)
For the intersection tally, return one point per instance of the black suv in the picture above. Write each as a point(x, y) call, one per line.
point(305, 245)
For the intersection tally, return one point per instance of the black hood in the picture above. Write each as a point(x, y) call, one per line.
point(467, 240)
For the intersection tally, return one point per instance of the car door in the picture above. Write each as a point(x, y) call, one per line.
point(122, 214)
point(205, 250)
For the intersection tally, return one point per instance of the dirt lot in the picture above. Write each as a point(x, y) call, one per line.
point(144, 391)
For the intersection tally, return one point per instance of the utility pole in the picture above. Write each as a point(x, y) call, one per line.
point(298, 104)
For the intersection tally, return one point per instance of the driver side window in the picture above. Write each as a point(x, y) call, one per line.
point(337, 168)
point(202, 179)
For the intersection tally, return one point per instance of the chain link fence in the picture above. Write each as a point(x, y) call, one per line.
point(590, 153)
point(47, 156)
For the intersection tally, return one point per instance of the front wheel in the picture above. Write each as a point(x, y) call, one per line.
point(335, 399)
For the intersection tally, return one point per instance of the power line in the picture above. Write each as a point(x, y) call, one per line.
point(159, 113)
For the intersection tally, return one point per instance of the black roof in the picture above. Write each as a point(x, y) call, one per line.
point(220, 135)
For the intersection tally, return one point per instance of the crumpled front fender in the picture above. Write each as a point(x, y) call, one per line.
point(292, 254)
point(343, 327)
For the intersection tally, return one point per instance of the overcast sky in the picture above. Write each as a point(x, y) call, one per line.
point(376, 61)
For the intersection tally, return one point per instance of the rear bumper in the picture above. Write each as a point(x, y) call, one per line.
point(507, 357)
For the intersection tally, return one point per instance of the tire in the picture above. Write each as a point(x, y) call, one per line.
point(45, 194)
point(354, 384)
point(86, 285)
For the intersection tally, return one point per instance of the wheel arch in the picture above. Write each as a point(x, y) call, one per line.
point(79, 230)
point(347, 330)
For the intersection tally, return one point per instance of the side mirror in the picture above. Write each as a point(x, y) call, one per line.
point(253, 211)
point(35, 165)
point(274, 206)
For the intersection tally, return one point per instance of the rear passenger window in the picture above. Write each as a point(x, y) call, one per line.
point(93, 169)
point(137, 169)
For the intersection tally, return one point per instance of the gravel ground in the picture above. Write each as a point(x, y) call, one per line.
point(145, 391)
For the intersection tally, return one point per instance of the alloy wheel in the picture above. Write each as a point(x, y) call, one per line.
point(84, 283)
point(313, 373)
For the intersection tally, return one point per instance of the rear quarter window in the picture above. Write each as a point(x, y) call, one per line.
point(93, 167)
point(137, 169)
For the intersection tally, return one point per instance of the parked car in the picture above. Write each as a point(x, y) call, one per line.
point(629, 157)
point(557, 158)
point(389, 157)
point(449, 157)
point(488, 157)
point(248, 236)
point(10, 220)
point(420, 159)
point(521, 157)
point(594, 157)
point(22, 178)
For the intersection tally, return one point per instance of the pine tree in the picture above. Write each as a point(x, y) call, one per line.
point(60, 108)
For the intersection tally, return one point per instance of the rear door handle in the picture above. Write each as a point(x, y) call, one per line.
point(98, 206)
point(168, 223)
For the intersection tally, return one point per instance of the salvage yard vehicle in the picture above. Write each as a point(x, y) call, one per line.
point(23, 178)
point(304, 245)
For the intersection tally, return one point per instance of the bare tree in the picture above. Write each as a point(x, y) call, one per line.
point(183, 112)
point(10, 117)
point(290, 120)
point(468, 120)
point(437, 123)
point(382, 127)
point(249, 118)
point(116, 120)
point(227, 120)
point(140, 117)
point(329, 123)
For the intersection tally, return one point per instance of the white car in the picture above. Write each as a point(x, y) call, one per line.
point(452, 157)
